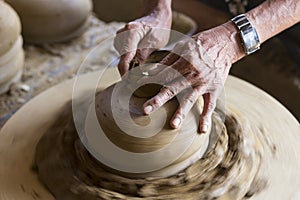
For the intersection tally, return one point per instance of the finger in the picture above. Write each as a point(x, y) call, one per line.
point(170, 59)
point(210, 100)
point(164, 77)
point(124, 63)
point(152, 69)
point(185, 68)
point(186, 103)
point(164, 95)
point(143, 54)
point(158, 56)
point(125, 28)
point(126, 42)
point(127, 38)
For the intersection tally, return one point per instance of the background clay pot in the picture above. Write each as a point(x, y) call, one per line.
point(11, 51)
point(10, 27)
point(52, 21)
point(118, 10)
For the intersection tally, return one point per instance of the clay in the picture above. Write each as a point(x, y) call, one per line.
point(10, 66)
point(183, 24)
point(12, 72)
point(39, 66)
point(52, 21)
point(22, 131)
point(234, 152)
point(11, 51)
point(10, 27)
point(255, 112)
point(227, 169)
point(132, 143)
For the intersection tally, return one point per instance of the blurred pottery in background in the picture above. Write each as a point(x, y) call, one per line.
point(122, 11)
point(118, 10)
point(52, 21)
point(11, 51)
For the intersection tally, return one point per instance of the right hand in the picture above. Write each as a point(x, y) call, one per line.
point(139, 38)
point(197, 66)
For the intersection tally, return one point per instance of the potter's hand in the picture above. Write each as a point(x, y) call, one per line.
point(197, 66)
point(139, 38)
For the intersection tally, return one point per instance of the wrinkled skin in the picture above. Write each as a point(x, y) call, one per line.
point(197, 66)
point(139, 38)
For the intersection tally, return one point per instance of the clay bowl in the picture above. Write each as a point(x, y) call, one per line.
point(133, 131)
point(52, 21)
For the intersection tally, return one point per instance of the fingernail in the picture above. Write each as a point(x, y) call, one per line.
point(204, 128)
point(176, 122)
point(148, 109)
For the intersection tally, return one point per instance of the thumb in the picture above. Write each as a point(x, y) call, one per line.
point(126, 43)
point(124, 63)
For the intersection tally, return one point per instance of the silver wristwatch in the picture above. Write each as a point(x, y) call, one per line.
point(248, 34)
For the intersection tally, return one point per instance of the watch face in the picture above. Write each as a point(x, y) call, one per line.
point(248, 34)
point(251, 41)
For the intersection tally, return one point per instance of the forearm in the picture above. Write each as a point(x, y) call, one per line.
point(156, 5)
point(274, 16)
point(270, 18)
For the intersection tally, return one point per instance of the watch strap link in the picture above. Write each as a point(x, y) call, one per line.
point(248, 33)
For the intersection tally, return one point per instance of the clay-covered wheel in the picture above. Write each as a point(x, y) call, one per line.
point(52, 21)
point(263, 112)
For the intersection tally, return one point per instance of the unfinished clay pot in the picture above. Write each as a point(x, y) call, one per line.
point(52, 21)
point(11, 51)
point(120, 115)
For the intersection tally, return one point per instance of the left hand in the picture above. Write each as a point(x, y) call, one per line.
point(197, 66)
point(139, 38)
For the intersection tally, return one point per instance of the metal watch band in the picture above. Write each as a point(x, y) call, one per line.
point(248, 33)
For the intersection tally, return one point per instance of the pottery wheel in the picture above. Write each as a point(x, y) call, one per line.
point(278, 130)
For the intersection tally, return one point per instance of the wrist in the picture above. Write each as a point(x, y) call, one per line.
point(232, 37)
point(159, 12)
point(222, 43)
